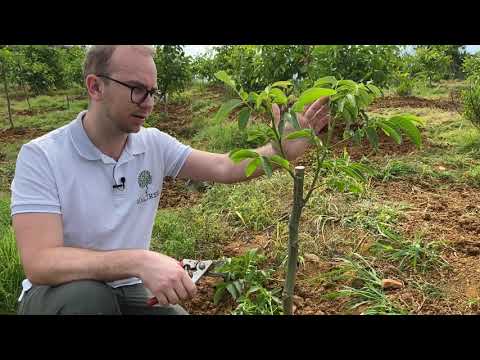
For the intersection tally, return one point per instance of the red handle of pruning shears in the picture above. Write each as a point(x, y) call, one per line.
point(153, 301)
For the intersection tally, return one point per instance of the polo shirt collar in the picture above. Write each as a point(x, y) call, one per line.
point(89, 151)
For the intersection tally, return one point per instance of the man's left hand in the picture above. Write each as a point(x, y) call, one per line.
point(316, 117)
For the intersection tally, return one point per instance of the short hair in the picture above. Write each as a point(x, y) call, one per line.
point(97, 59)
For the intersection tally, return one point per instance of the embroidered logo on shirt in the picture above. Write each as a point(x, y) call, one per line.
point(145, 179)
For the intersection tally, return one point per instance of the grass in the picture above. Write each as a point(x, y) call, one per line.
point(252, 207)
point(451, 152)
point(225, 137)
point(188, 233)
point(11, 272)
point(367, 296)
point(415, 254)
point(441, 89)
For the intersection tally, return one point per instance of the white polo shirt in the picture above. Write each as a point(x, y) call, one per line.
point(64, 173)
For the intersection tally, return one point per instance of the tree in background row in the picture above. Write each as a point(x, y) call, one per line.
point(256, 66)
point(174, 70)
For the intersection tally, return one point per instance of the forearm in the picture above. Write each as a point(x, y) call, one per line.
point(59, 265)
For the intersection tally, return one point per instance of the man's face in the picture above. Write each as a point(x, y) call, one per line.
point(136, 68)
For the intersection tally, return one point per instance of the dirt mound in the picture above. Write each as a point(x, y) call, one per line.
point(177, 193)
point(451, 104)
point(13, 134)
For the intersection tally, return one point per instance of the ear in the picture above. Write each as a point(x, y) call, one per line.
point(94, 87)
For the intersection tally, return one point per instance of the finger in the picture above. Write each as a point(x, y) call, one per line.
point(181, 291)
point(171, 296)
point(316, 106)
point(276, 113)
point(321, 124)
point(162, 300)
point(189, 286)
point(322, 112)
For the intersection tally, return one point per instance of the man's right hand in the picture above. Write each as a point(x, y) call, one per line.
point(166, 279)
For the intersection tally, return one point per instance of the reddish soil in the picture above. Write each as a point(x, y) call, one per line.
point(12, 135)
point(450, 104)
point(175, 193)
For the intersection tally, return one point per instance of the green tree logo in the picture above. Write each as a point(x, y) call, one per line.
point(144, 179)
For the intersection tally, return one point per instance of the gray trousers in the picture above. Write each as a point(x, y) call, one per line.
point(89, 297)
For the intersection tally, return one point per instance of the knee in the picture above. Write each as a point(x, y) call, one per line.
point(88, 297)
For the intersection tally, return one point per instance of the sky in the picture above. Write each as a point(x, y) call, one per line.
point(195, 50)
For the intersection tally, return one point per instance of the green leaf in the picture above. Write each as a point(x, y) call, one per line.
point(375, 90)
point(238, 286)
point(243, 118)
point(293, 120)
point(363, 168)
point(253, 289)
point(408, 128)
point(244, 95)
point(259, 99)
point(239, 155)
point(327, 80)
point(267, 167)
point(233, 291)
point(347, 83)
point(218, 295)
point(281, 123)
point(341, 104)
point(225, 78)
point(311, 95)
point(354, 173)
point(252, 166)
point(278, 96)
point(390, 131)
point(305, 133)
point(226, 109)
point(372, 136)
point(282, 84)
point(351, 106)
point(284, 163)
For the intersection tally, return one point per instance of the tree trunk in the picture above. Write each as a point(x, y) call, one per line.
point(26, 95)
point(293, 240)
point(5, 86)
point(68, 102)
point(23, 86)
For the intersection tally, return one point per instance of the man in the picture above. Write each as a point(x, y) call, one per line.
point(84, 197)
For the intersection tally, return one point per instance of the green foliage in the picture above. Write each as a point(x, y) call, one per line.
point(471, 67)
point(73, 59)
point(456, 54)
point(360, 63)
point(414, 255)
point(174, 71)
point(188, 233)
point(41, 67)
point(405, 84)
point(246, 284)
point(226, 137)
point(255, 66)
point(431, 62)
point(369, 294)
point(11, 272)
point(471, 103)
point(243, 206)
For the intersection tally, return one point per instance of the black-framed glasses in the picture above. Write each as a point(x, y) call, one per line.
point(138, 94)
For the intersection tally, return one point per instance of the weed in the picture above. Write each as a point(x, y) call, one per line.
point(415, 254)
point(370, 293)
point(245, 282)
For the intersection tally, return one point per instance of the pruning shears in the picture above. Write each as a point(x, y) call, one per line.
point(195, 269)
